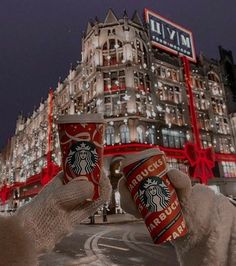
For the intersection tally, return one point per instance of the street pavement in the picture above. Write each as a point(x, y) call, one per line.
point(121, 241)
point(113, 219)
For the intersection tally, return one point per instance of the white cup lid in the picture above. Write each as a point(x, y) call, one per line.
point(141, 155)
point(83, 118)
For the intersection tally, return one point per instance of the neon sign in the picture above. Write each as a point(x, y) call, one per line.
point(169, 36)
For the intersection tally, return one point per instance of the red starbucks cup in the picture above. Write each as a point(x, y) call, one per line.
point(154, 195)
point(81, 140)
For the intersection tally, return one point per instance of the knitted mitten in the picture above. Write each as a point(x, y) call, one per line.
point(16, 248)
point(57, 208)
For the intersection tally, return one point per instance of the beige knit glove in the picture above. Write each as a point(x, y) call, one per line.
point(57, 208)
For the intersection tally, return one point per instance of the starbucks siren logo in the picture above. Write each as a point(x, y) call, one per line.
point(82, 157)
point(154, 194)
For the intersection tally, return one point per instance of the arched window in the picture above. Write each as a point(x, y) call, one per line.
point(214, 83)
point(124, 134)
point(140, 51)
point(110, 135)
point(151, 136)
point(112, 52)
point(104, 46)
point(213, 77)
point(112, 44)
point(140, 134)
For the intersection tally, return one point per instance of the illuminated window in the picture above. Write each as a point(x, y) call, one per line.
point(203, 121)
point(140, 134)
point(124, 134)
point(200, 101)
point(151, 136)
point(174, 115)
point(78, 103)
point(108, 110)
point(115, 104)
point(206, 140)
point(110, 135)
point(141, 103)
point(167, 73)
point(173, 138)
point(215, 89)
point(229, 169)
point(114, 80)
point(197, 83)
point(139, 81)
point(112, 52)
point(139, 52)
point(218, 106)
point(169, 93)
point(91, 106)
point(222, 125)
point(144, 105)
point(224, 145)
point(214, 84)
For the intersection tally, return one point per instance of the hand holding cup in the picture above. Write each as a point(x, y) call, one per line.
point(81, 140)
point(154, 195)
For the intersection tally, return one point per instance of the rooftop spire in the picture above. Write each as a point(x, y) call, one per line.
point(125, 15)
point(89, 27)
point(110, 17)
point(136, 18)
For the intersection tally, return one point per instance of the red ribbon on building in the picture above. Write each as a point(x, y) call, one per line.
point(5, 193)
point(51, 169)
point(203, 160)
point(49, 172)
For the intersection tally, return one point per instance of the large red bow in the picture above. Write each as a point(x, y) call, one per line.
point(202, 160)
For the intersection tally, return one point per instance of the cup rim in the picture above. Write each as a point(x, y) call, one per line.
point(141, 155)
point(82, 118)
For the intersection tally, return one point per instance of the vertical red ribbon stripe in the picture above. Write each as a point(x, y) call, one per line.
point(51, 169)
point(191, 102)
point(201, 159)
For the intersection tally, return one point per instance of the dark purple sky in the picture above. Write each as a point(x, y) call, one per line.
point(40, 38)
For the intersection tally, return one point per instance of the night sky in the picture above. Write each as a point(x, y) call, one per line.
point(39, 39)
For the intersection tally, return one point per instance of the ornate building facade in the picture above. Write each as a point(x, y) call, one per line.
point(142, 93)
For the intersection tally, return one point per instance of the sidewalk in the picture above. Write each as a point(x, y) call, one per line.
point(113, 219)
